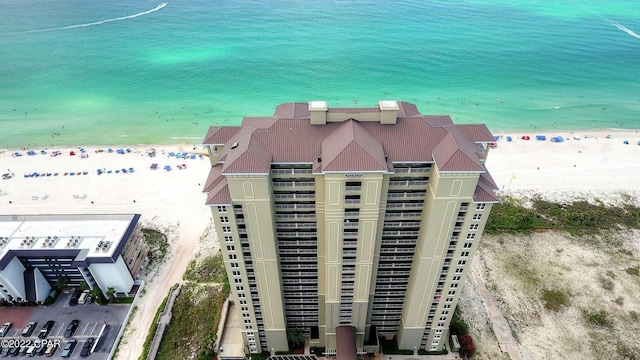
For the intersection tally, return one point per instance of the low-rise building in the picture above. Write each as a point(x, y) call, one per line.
point(37, 252)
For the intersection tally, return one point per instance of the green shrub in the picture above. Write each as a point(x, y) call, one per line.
point(633, 270)
point(554, 299)
point(598, 318)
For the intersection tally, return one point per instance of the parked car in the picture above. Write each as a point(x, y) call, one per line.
point(86, 347)
point(71, 328)
point(5, 329)
point(5, 351)
point(41, 350)
point(68, 348)
point(29, 328)
point(46, 329)
point(51, 349)
point(74, 298)
point(83, 297)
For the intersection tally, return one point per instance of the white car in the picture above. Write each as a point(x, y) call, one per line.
point(5, 329)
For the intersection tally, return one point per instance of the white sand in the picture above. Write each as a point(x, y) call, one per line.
point(173, 200)
point(593, 163)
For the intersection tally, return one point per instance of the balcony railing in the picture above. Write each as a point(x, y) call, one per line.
point(405, 195)
point(293, 183)
point(291, 171)
point(294, 196)
point(412, 169)
point(408, 182)
point(305, 207)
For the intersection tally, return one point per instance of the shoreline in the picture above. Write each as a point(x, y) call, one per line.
point(191, 140)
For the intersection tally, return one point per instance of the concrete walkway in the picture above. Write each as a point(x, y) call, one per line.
point(500, 325)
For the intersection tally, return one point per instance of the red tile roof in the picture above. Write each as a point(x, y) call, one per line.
point(289, 137)
point(350, 146)
point(214, 178)
point(219, 135)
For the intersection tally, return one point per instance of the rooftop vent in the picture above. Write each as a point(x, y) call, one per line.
point(234, 145)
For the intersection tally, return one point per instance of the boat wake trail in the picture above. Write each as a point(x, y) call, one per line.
point(623, 28)
point(157, 8)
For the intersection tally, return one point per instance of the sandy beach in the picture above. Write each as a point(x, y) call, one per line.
point(172, 201)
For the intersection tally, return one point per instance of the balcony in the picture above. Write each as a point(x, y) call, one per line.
point(294, 196)
point(298, 234)
point(400, 233)
point(291, 171)
point(412, 170)
point(293, 184)
point(304, 207)
point(406, 195)
point(408, 183)
point(296, 225)
point(295, 243)
point(395, 242)
point(402, 215)
point(295, 216)
point(405, 224)
point(405, 205)
point(353, 188)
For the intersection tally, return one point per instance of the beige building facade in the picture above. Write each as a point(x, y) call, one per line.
point(367, 217)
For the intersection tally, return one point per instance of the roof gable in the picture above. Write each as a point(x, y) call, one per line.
point(246, 155)
point(351, 147)
point(449, 157)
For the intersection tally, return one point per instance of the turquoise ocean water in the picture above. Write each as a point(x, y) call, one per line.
point(79, 72)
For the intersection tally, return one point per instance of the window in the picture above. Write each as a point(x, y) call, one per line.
point(449, 299)
point(247, 321)
point(222, 209)
point(224, 219)
point(237, 281)
point(460, 262)
point(242, 295)
point(244, 308)
point(436, 337)
point(248, 327)
point(445, 313)
point(231, 248)
point(458, 271)
point(477, 217)
point(234, 265)
point(447, 306)
point(471, 236)
point(464, 254)
point(474, 227)
point(453, 286)
point(235, 273)
point(452, 292)
point(456, 278)
point(467, 245)
point(226, 229)
point(480, 207)
point(228, 239)
point(243, 302)
point(433, 348)
point(439, 331)
point(240, 288)
point(440, 324)
point(246, 316)
point(443, 318)
point(233, 257)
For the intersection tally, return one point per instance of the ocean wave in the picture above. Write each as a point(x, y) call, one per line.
point(95, 23)
point(625, 29)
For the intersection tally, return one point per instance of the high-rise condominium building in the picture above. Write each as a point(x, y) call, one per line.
point(356, 221)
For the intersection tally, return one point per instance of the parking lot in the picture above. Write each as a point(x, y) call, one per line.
point(93, 318)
